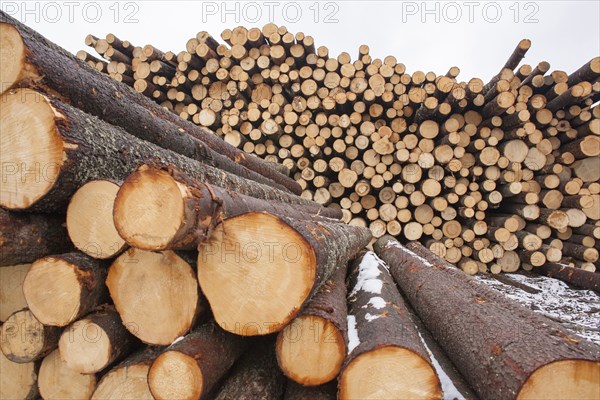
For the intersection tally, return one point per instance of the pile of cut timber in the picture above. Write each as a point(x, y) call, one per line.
point(141, 256)
point(491, 176)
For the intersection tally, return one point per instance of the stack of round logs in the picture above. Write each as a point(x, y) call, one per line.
point(492, 176)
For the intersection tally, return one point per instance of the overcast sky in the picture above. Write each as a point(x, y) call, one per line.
point(477, 36)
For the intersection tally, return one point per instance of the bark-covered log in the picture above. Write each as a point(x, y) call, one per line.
point(129, 379)
point(25, 339)
point(18, 380)
point(295, 258)
point(57, 381)
point(26, 237)
point(295, 391)
point(312, 348)
point(158, 209)
point(255, 376)
point(190, 367)
point(33, 60)
point(385, 352)
point(60, 289)
point(156, 294)
point(72, 147)
point(519, 354)
point(574, 276)
point(11, 289)
point(90, 222)
point(96, 341)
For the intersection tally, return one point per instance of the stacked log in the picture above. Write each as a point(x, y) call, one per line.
point(419, 156)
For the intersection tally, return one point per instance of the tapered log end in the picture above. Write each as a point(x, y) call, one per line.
point(90, 220)
point(149, 209)
point(577, 379)
point(31, 148)
point(311, 350)
point(175, 375)
point(85, 347)
point(53, 291)
point(256, 272)
point(12, 56)
point(389, 373)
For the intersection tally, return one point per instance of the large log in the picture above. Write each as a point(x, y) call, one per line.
point(72, 147)
point(157, 209)
point(574, 276)
point(312, 348)
point(11, 289)
point(190, 367)
point(60, 289)
point(57, 381)
point(25, 339)
point(129, 379)
point(93, 343)
point(386, 356)
point(29, 58)
point(27, 237)
point(526, 356)
point(294, 257)
point(255, 376)
point(18, 380)
point(156, 294)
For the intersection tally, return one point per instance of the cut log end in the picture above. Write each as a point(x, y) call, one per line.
point(173, 366)
point(389, 372)
point(56, 279)
point(32, 149)
point(85, 347)
point(12, 56)
point(57, 381)
point(255, 268)
point(90, 220)
point(149, 209)
point(25, 339)
point(17, 380)
point(563, 379)
point(311, 350)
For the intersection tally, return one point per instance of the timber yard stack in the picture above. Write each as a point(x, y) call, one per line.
point(144, 256)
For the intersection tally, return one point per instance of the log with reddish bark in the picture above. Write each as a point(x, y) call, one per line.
point(60, 289)
point(72, 147)
point(156, 294)
point(255, 376)
point(527, 356)
point(192, 366)
point(94, 342)
point(295, 258)
point(385, 352)
point(312, 348)
point(57, 381)
point(25, 339)
point(574, 276)
point(31, 59)
point(295, 391)
point(166, 209)
point(18, 380)
point(27, 237)
point(129, 379)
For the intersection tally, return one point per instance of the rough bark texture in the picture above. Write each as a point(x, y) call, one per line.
point(26, 237)
point(96, 149)
point(52, 67)
point(574, 276)
point(255, 376)
point(511, 341)
point(91, 274)
point(295, 391)
point(214, 350)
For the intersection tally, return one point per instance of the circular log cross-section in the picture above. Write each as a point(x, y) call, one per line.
point(17, 380)
point(25, 339)
point(57, 381)
point(11, 289)
point(156, 294)
point(90, 220)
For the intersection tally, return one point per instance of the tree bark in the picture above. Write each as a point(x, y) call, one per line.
point(519, 354)
point(295, 391)
point(61, 289)
point(146, 223)
point(27, 237)
point(383, 340)
point(190, 367)
point(574, 276)
point(44, 64)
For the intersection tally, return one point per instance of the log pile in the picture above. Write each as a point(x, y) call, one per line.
point(495, 175)
point(142, 256)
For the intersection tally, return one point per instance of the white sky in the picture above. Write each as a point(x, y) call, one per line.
point(477, 36)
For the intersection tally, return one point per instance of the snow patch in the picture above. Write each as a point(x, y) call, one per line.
point(450, 391)
point(370, 317)
point(375, 302)
point(179, 339)
point(353, 339)
point(368, 271)
point(399, 246)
